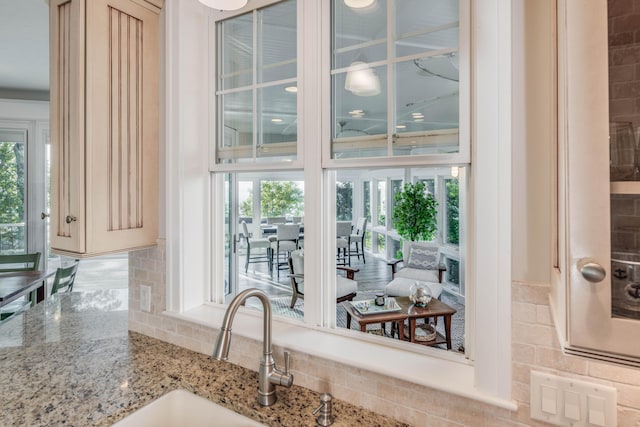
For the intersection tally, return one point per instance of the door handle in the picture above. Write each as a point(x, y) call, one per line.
point(591, 271)
point(43, 215)
point(69, 219)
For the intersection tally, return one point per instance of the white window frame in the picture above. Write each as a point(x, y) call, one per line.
point(189, 203)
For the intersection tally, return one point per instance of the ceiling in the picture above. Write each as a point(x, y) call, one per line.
point(24, 43)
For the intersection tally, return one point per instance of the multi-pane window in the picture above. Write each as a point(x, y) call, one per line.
point(391, 111)
point(395, 78)
point(257, 86)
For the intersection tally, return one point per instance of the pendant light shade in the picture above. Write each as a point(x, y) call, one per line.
point(224, 4)
point(358, 4)
point(362, 81)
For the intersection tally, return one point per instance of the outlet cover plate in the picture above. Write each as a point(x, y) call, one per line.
point(573, 400)
point(145, 298)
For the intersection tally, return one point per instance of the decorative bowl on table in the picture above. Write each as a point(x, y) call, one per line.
point(420, 294)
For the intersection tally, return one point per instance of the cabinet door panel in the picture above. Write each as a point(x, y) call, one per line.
point(122, 69)
point(67, 125)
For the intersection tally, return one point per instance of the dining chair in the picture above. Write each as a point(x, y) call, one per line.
point(286, 241)
point(343, 231)
point(254, 243)
point(357, 238)
point(65, 277)
point(346, 287)
point(20, 262)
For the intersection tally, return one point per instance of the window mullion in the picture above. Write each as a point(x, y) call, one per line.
point(254, 90)
point(391, 89)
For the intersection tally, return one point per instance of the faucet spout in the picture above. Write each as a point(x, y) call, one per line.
point(269, 374)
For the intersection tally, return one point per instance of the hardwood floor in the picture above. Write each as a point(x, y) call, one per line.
point(373, 275)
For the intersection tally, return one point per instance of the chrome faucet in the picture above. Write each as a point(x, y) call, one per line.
point(269, 374)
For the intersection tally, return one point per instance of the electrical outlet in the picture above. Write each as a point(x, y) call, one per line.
point(145, 298)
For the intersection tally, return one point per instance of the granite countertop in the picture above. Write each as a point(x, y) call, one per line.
point(71, 361)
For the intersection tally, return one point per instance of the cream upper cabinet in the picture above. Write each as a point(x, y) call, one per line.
point(104, 125)
point(599, 197)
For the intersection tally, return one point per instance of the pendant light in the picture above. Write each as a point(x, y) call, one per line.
point(358, 4)
point(361, 80)
point(224, 4)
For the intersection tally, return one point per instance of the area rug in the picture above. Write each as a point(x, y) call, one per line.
point(280, 307)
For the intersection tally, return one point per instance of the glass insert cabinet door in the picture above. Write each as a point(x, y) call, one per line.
point(599, 223)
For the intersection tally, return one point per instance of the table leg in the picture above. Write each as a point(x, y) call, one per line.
point(447, 330)
point(348, 320)
point(400, 324)
point(412, 329)
point(41, 292)
point(363, 327)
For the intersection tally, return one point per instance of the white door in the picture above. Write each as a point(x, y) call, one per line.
point(22, 199)
point(591, 104)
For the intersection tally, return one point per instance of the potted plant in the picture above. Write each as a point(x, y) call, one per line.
point(415, 213)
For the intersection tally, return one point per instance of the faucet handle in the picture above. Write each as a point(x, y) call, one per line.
point(287, 357)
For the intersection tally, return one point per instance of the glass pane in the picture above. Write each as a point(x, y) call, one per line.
point(281, 199)
point(236, 52)
point(359, 117)
point(366, 196)
point(430, 183)
point(277, 37)
point(427, 107)
point(624, 129)
point(359, 33)
point(344, 201)
point(425, 25)
point(278, 122)
point(12, 196)
point(236, 139)
point(382, 203)
point(452, 234)
point(261, 259)
point(396, 187)
point(453, 273)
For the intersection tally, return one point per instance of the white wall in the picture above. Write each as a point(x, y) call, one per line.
point(533, 339)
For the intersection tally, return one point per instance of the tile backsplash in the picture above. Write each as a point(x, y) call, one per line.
point(534, 347)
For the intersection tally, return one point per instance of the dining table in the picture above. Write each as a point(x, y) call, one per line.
point(15, 284)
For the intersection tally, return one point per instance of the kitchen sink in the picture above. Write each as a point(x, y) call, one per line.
point(183, 408)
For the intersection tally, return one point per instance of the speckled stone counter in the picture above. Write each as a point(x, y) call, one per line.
point(71, 361)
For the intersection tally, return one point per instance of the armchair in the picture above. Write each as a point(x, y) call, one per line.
point(346, 287)
point(421, 261)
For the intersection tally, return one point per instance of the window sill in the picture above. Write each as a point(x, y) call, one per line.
point(455, 377)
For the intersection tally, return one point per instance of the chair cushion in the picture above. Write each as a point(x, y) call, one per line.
point(401, 287)
point(285, 245)
point(423, 257)
point(345, 286)
point(418, 274)
point(259, 242)
point(342, 243)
